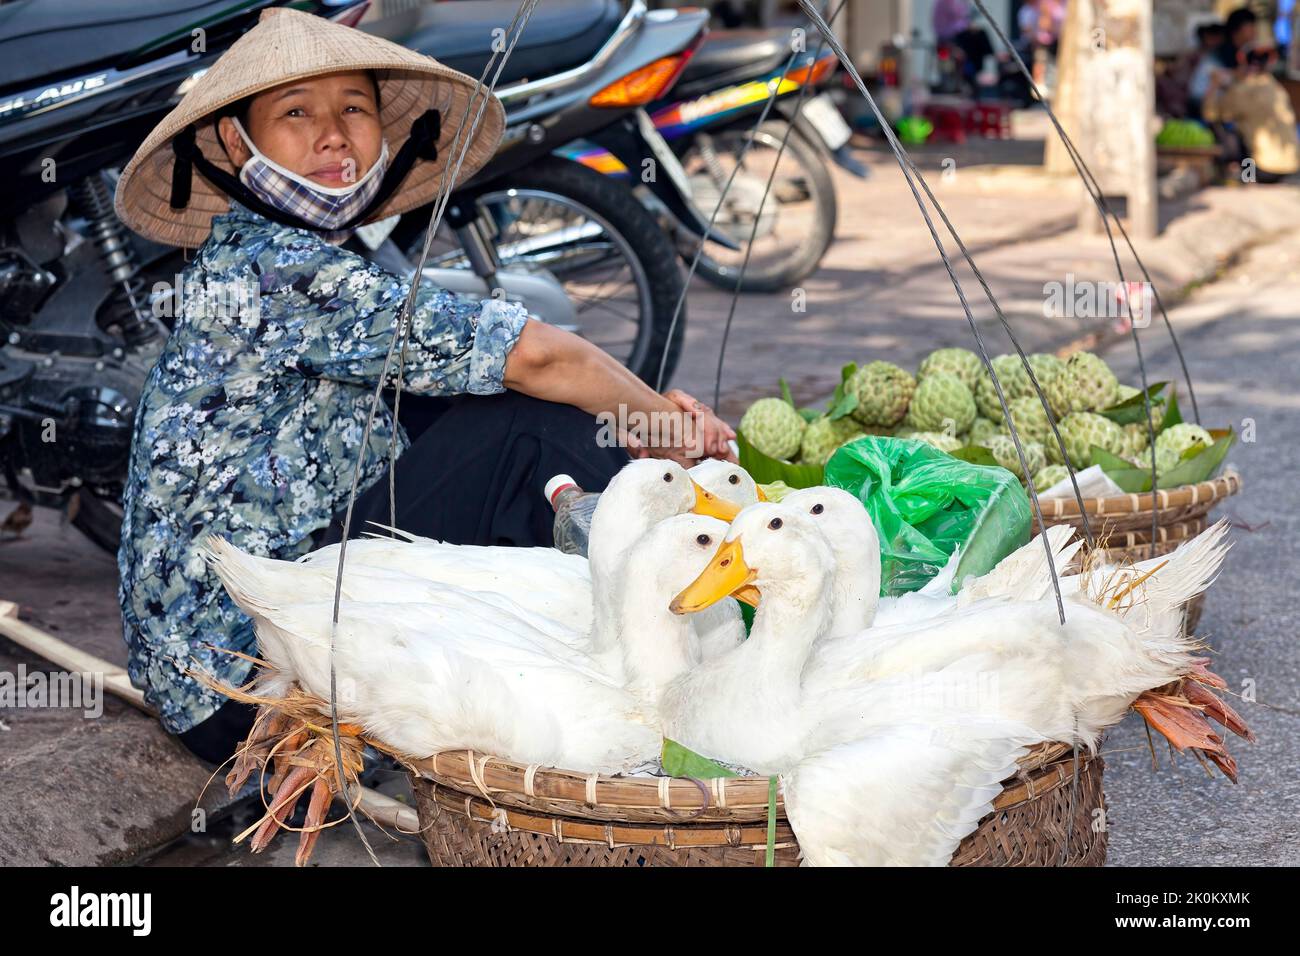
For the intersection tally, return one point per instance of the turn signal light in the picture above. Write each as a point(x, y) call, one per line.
point(814, 73)
point(642, 86)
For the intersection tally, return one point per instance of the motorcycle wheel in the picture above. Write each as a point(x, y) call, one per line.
point(593, 236)
point(796, 225)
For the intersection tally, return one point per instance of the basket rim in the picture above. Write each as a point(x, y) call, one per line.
point(1203, 493)
point(665, 800)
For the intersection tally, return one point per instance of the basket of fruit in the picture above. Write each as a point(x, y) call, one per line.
point(951, 404)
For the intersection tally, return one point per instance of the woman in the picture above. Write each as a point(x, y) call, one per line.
point(252, 421)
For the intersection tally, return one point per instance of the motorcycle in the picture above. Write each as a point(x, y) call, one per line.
point(84, 302)
point(706, 122)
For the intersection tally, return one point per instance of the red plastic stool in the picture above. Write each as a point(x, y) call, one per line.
point(951, 118)
point(991, 119)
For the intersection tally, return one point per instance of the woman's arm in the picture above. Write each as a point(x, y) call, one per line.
point(327, 313)
point(558, 366)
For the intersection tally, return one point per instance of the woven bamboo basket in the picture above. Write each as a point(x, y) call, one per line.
point(1121, 524)
point(484, 811)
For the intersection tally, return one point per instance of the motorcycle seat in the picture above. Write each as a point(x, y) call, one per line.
point(42, 40)
point(559, 35)
point(732, 56)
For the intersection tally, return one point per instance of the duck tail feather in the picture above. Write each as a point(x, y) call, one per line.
point(1181, 713)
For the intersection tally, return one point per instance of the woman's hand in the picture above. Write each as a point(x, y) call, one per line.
point(701, 434)
point(715, 434)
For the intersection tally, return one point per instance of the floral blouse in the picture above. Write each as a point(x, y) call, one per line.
point(250, 427)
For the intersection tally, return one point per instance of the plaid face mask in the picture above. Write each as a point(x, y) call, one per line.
point(324, 207)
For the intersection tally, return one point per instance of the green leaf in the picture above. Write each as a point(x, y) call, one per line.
point(975, 454)
point(847, 372)
point(1201, 466)
point(841, 405)
point(765, 470)
point(678, 761)
point(1133, 409)
point(1124, 473)
point(810, 414)
point(1172, 415)
point(785, 392)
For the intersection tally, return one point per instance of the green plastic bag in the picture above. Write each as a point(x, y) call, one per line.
point(925, 504)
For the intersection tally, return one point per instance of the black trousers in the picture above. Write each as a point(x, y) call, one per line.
point(474, 474)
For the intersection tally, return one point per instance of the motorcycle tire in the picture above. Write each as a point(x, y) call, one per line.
point(616, 204)
point(807, 255)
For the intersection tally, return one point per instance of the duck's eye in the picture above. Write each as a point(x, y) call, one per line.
point(774, 524)
point(733, 479)
point(703, 540)
point(818, 509)
point(668, 476)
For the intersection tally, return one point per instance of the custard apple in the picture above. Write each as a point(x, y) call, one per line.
point(1086, 384)
point(883, 390)
point(1044, 478)
point(982, 430)
point(937, 439)
point(773, 427)
point(823, 436)
point(963, 363)
point(1136, 439)
point(942, 403)
point(1080, 431)
point(1015, 384)
point(1046, 367)
point(1177, 439)
point(1031, 421)
point(1003, 449)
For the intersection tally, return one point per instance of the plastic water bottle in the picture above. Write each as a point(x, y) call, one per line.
point(573, 510)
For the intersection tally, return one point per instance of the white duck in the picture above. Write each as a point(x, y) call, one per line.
point(542, 580)
point(450, 669)
point(545, 582)
point(769, 707)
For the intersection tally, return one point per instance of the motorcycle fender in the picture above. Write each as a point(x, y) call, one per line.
point(626, 143)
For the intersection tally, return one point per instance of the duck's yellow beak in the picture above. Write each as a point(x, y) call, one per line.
point(707, 503)
point(761, 495)
point(726, 574)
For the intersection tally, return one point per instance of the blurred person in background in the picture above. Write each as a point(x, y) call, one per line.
point(952, 24)
point(1203, 62)
point(1258, 109)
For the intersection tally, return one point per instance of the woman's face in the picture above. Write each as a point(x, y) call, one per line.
point(325, 129)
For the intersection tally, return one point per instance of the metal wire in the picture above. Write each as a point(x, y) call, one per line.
point(909, 170)
point(722, 196)
point(1024, 361)
point(1098, 197)
point(1106, 213)
point(401, 329)
point(758, 216)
